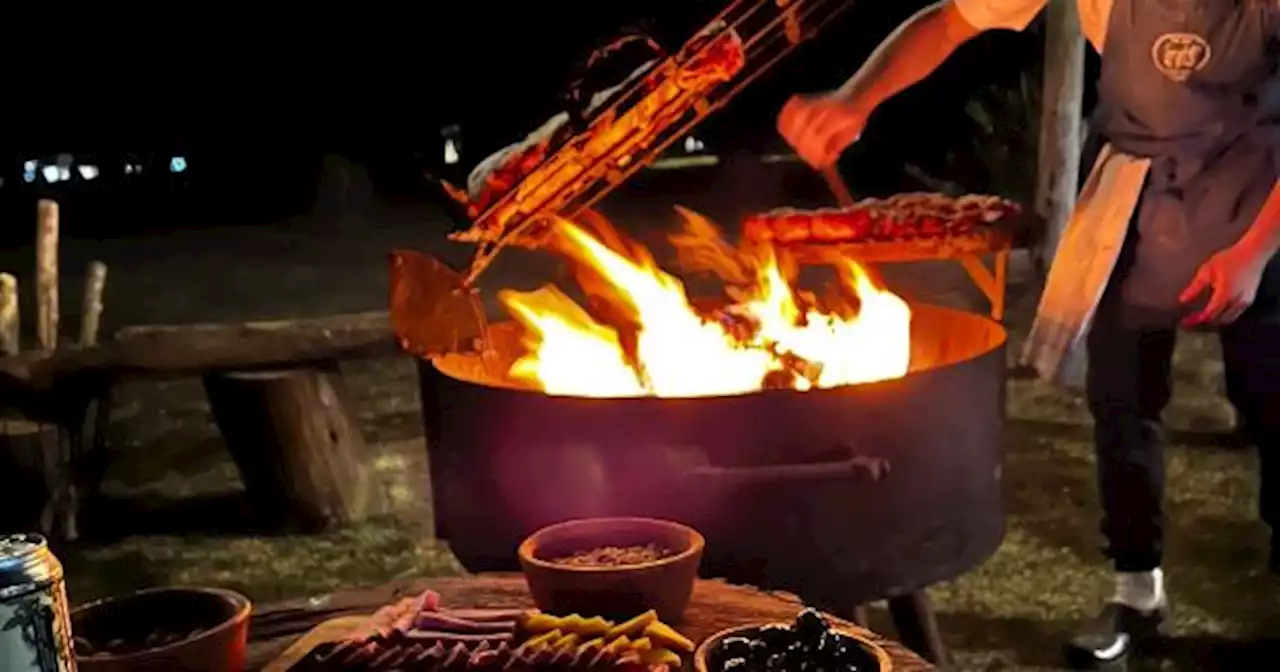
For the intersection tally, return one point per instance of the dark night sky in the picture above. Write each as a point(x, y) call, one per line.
point(390, 77)
point(378, 84)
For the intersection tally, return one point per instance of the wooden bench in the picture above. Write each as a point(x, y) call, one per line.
point(274, 387)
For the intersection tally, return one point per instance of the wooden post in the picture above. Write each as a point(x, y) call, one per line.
point(1060, 124)
point(24, 485)
point(93, 460)
point(59, 446)
point(301, 456)
point(95, 281)
point(10, 324)
point(47, 274)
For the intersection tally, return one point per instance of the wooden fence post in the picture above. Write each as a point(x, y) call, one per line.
point(10, 340)
point(94, 282)
point(47, 310)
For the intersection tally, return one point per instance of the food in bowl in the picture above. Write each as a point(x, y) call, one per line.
point(418, 633)
point(190, 629)
point(122, 647)
point(613, 567)
point(615, 556)
point(808, 643)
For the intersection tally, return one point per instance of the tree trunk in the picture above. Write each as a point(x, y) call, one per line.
point(1060, 124)
point(301, 456)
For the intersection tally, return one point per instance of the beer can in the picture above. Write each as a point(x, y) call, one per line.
point(35, 623)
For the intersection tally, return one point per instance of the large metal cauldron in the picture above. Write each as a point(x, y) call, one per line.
point(789, 488)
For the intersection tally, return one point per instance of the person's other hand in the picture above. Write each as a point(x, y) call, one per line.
point(1231, 277)
point(820, 127)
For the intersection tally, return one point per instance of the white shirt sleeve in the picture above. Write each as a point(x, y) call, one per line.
point(993, 14)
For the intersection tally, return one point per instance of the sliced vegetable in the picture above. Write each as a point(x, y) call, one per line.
point(665, 635)
point(633, 627)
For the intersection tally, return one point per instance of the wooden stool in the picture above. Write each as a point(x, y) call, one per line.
point(301, 456)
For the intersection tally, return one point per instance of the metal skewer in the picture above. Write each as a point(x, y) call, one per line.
point(837, 186)
point(844, 197)
point(768, 30)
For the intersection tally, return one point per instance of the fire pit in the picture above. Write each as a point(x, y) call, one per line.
point(842, 493)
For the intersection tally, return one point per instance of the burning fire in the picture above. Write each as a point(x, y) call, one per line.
point(654, 342)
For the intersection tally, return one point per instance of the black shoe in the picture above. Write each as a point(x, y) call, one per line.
point(1110, 637)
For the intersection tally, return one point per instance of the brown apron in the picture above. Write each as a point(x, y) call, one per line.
point(1189, 103)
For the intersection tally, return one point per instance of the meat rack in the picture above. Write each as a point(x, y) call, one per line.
point(768, 30)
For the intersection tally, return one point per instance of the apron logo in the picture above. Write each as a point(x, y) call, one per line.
point(1178, 55)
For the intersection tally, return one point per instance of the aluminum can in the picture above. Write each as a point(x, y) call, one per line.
point(35, 623)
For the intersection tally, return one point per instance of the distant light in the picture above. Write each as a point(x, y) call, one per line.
point(29, 176)
point(64, 173)
point(137, 167)
point(177, 164)
point(450, 152)
point(128, 169)
point(50, 173)
point(88, 172)
point(692, 144)
point(29, 166)
point(65, 160)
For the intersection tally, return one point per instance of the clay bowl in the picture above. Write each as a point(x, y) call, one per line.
point(702, 656)
point(212, 626)
point(614, 592)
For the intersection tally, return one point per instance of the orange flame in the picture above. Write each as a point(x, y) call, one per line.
point(671, 349)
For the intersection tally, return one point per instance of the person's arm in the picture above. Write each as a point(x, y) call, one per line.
point(1263, 237)
point(928, 38)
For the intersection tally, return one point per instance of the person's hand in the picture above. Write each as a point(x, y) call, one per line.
point(1231, 277)
point(820, 127)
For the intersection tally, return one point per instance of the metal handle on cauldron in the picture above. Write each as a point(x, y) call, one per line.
point(873, 468)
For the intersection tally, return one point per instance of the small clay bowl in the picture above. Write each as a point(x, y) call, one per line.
point(702, 656)
point(614, 592)
point(213, 623)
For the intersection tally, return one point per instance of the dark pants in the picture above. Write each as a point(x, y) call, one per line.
point(1128, 387)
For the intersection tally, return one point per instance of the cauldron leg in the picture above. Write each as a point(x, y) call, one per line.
point(917, 626)
point(860, 616)
point(856, 615)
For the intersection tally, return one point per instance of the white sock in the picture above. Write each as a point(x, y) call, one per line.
point(1143, 591)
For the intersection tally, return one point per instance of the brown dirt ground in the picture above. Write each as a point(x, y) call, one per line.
point(1010, 614)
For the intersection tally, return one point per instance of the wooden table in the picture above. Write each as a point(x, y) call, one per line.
point(716, 606)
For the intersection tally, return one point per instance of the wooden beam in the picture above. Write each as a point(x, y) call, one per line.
point(176, 351)
point(1060, 123)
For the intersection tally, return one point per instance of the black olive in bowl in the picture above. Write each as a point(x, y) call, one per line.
point(808, 643)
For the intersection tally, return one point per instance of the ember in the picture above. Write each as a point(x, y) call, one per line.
point(656, 343)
